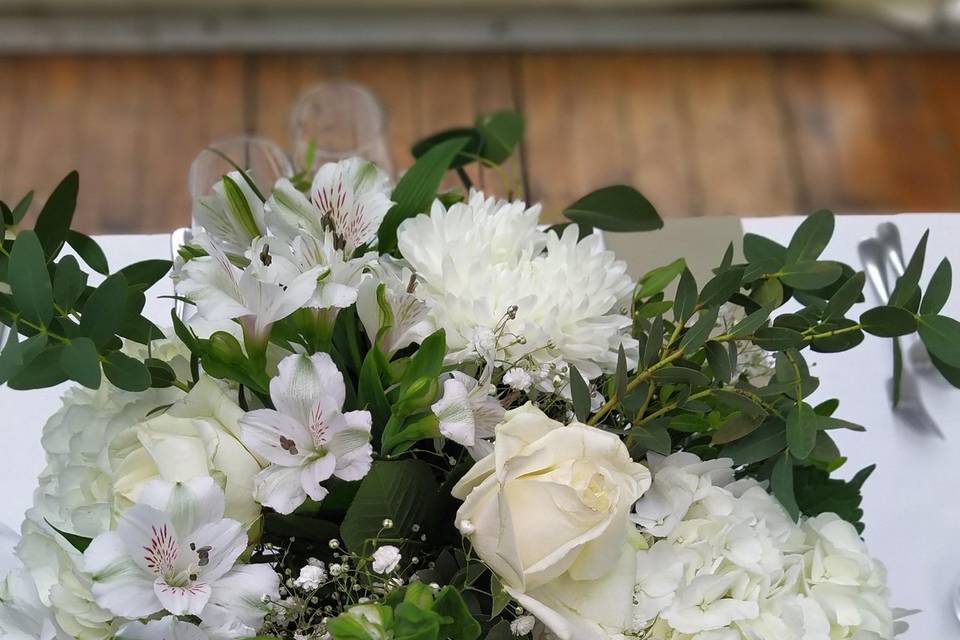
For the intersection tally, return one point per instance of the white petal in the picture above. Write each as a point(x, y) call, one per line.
point(190, 504)
point(118, 585)
point(182, 600)
point(277, 437)
point(279, 488)
point(238, 596)
point(226, 540)
point(301, 381)
point(455, 413)
point(168, 628)
point(315, 473)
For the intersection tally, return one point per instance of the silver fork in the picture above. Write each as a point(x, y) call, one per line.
point(910, 408)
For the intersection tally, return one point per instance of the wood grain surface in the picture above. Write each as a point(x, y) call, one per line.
point(700, 134)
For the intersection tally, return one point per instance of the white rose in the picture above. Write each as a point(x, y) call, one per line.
point(196, 437)
point(548, 512)
point(386, 559)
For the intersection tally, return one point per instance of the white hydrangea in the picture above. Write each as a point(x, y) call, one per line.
point(547, 298)
point(724, 561)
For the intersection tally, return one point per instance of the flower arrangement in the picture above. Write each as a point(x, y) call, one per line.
point(395, 413)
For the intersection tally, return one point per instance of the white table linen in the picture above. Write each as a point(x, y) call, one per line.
point(911, 504)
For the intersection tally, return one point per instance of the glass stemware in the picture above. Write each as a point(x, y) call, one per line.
point(262, 159)
point(337, 120)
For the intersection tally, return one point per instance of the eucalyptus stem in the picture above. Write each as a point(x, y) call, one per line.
point(641, 377)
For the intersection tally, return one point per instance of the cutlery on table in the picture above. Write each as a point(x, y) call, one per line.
point(910, 407)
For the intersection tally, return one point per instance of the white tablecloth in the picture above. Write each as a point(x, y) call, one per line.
point(911, 504)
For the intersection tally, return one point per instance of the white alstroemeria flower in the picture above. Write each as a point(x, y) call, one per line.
point(386, 559)
point(339, 276)
point(307, 439)
point(349, 198)
point(467, 411)
point(168, 628)
point(173, 551)
point(232, 223)
point(405, 314)
point(269, 289)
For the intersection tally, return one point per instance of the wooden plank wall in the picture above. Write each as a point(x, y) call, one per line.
point(700, 134)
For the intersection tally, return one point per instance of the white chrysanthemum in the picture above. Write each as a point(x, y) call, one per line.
point(726, 561)
point(484, 265)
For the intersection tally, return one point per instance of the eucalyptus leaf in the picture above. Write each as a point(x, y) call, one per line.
point(618, 208)
point(811, 275)
point(781, 483)
point(907, 285)
point(938, 290)
point(811, 237)
point(80, 363)
point(651, 351)
point(657, 280)
point(685, 300)
point(765, 442)
point(42, 371)
point(681, 375)
point(580, 393)
point(143, 275)
point(101, 314)
point(848, 294)
point(941, 336)
point(751, 323)
point(126, 373)
point(719, 360)
point(69, 283)
point(29, 280)
point(768, 293)
point(652, 436)
point(802, 423)
point(697, 335)
point(888, 322)
point(55, 217)
point(758, 248)
point(736, 426)
point(721, 287)
point(777, 338)
point(88, 249)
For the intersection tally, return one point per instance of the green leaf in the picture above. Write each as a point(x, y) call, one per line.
point(719, 360)
point(888, 322)
point(811, 237)
point(29, 280)
point(618, 208)
point(22, 207)
point(580, 393)
point(839, 342)
point(657, 280)
point(938, 291)
point(651, 350)
point(649, 437)
point(719, 289)
point(685, 300)
point(41, 372)
point(766, 442)
point(80, 363)
point(781, 482)
point(54, 220)
point(403, 491)
point(16, 354)
point(689, 423)
point(801, 430)
point(78, 542)
point(500, 631)
point(751, 323)
point(845, 297)
point(817, 493)
point(829, 422)
point(371, 395)
point(739, 401)
point(126, 373)
point(760, 249)
point(462, 626)
point(101, 314)
point(809, 275)
point(88, 249)
point(162, 375)
point(681, 375)
point(501, 132)
point(908, 285)
point(417, 188)
point(768, 293)
point(653, 309)
point(69, 283)
point(468, 154)
point(697, 335)
point(736, 426)
point(620, 376)
point(777, 338)
point(941, 336)
point(500, 597)
point(143, 275)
